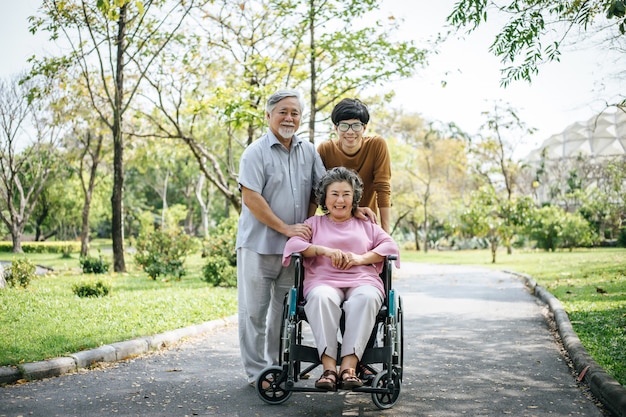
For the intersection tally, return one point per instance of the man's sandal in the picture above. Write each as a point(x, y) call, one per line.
point(350, 381)
point(327, 381)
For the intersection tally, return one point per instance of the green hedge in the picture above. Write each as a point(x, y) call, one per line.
point(43, 247)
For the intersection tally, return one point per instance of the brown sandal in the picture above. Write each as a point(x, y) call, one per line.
point(330, 384)
point(351, 381)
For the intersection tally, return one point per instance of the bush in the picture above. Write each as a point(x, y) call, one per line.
point(222, 240)
point(219, 272)
point(163, 253)
point(220, 269)
point(93, 265)
point(20, 273)
point(91, 289)
point(43, 247)
point(553, 227)
point(621, 239)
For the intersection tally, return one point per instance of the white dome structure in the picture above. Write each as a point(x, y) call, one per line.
point(603, 135)
point(576, 158)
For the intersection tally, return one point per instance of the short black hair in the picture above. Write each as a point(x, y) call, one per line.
point(350, 108)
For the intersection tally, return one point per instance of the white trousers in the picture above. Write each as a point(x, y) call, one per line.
point(262, 283)
point(323, 311)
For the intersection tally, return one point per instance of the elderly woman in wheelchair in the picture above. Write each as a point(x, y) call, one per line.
point(343, 261)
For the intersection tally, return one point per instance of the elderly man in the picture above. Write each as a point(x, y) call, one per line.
point(276, 176)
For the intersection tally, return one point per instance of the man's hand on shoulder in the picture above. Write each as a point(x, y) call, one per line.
point(365, 213)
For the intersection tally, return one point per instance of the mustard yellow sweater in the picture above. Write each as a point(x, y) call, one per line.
point(373, 164)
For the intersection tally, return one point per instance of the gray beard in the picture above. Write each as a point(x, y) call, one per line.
point(286, 132)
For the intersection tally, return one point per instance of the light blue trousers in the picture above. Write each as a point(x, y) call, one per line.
point(262, 283)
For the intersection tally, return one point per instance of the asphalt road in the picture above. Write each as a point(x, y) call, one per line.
point(476, 344)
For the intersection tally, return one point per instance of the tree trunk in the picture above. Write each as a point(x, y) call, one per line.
point(426, 226)
point(84, 230)
point(117, 197)
point(16, 238)
point(204, 207)
point(313, 91)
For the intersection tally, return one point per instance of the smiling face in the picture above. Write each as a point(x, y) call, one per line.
point(339, 197)
point(284, 119)
point(350, 141)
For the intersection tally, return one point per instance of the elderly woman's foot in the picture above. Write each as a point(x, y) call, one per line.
point(349, 380)
point(327, 381)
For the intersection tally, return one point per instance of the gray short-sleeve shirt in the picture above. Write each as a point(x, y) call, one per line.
point(285, 179)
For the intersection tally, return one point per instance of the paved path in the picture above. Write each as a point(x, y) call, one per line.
point(476, 344)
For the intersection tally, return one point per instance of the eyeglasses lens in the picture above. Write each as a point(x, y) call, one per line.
point(356, 127)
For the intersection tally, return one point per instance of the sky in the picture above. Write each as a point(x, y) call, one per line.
point(570, 91)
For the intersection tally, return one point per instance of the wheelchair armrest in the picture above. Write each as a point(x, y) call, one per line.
point(386, 274)
point(298, 260)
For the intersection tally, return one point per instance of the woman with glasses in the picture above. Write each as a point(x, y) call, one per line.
point(367, 155)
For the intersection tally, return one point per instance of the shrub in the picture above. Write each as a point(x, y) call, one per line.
point(43, 247)
point(222, 240)
point(576, 232)
point(93, 265)
point(220, 269)
point(553, 227)
point(163, 253)
point(20, 273)
point(91, 289)
point(219, 272)
point(621, 239)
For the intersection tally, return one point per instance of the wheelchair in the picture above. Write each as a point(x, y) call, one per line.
point(383, 356)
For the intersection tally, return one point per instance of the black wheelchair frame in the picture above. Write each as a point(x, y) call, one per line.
point(275, 384)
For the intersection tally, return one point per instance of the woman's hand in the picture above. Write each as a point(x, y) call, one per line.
point(345, 260)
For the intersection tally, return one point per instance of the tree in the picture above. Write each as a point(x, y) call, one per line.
point(495, 168)
point(537, 29)
point(429, 171)
point(121, 39)
point(86, 147)
point(603, 200)
point(24, 167)
point(335, 38)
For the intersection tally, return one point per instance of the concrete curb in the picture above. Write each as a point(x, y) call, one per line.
point(106, 353)
point(603, 386)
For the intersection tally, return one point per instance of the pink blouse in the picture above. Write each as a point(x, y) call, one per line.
point(353, 235)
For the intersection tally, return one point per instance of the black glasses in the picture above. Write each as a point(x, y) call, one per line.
point(356, 127)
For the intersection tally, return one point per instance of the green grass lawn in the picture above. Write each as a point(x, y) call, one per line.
point(591, 285)
point(47, 320)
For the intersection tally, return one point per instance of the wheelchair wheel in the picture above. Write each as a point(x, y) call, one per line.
point(387, 399)
point(270, 386)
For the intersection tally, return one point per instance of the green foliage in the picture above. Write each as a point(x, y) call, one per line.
point(20, 273)
point(553, 228)
point(546, 226)
point(64, 248)
point(91, 289)
point(220, 268)
point(576, 232)
point(222, 240)
point(94, 265)
point(219, 272)
point(163, 252)
point(520, 43)
point(621, 239)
